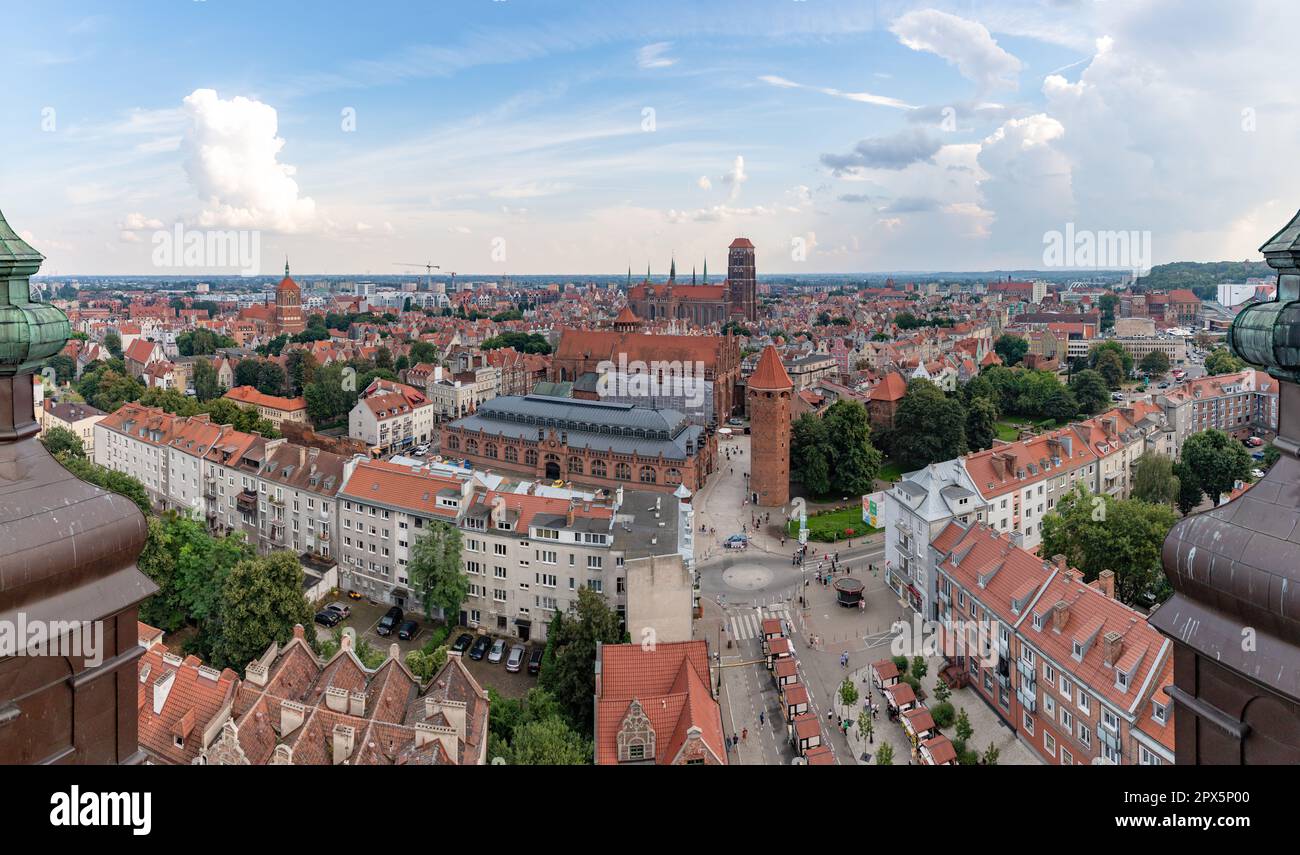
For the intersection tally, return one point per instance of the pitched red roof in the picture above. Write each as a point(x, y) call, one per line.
point(770, 373)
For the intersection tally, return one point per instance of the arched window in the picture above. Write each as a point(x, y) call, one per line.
point(530, 457)
point(673, 476)
point(471, 446)
point(623, 472)
point(490, 450)
point(575, 465)
point(512, 454)
point(598, 468)
point(647, 474)
point(453, 442)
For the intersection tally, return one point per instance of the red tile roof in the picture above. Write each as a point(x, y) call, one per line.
point(770, 374)
point(250, 395)
point(670, 682)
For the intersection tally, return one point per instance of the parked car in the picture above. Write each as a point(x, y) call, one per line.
point(498, 650)
point(355, 595)
point(1255, 441)
point(480, 648)
point(389, 621)
point(463, 641)
point(343, 610)
point(535, 659)
point(407, 630)
point(1257, 455)
point(1257, 474)
point(735, 421)
point(328, 617)
point(516, 658)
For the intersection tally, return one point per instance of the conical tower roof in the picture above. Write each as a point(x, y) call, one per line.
point(770, 373)
point(16, 253)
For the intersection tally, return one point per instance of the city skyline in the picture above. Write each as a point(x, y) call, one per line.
point(510, 138)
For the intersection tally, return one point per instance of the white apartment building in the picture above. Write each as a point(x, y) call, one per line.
point(392, 420)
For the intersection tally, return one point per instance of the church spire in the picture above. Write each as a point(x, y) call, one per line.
point(286, 267)
point(706, 271)
point(692, 276)
point(672, 271)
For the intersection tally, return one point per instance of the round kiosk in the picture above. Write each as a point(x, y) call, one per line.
point(848, 592)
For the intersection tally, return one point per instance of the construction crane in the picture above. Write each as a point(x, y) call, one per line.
point(428, 271)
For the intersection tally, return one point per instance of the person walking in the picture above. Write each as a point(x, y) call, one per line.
point(744, 734)
point(761, 714)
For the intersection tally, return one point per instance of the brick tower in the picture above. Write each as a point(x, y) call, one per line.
point(769, 389)
point(742, 280)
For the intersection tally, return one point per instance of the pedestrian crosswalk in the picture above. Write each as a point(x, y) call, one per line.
point(745, 623)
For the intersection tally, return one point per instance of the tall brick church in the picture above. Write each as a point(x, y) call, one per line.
point(703, 304)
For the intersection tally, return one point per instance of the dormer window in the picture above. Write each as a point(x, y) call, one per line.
point(1159, 712)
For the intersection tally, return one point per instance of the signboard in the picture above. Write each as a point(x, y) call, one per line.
point(872, 507)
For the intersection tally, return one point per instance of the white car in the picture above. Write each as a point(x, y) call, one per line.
point(498, 650)
point(1257, 474)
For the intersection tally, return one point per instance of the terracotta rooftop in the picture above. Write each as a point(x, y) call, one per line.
point(770, 374)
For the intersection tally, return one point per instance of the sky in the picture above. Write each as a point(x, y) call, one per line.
point(499, 137)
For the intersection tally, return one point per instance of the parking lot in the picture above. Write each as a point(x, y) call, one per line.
point(365, 618)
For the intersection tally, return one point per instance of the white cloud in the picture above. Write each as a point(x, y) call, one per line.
point(654, 56)
point(736, 176)
point(139, 222)
point(233, 162)
point(964, 43)
point(704, 183)
point(861, 97)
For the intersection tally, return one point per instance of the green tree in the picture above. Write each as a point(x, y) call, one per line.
point(990, 756)
point(261, 601)
point(1214, 461)
point(1060, 405)
point(919, 667)
point(1111, 368)
point(928, 426)
point(848, 692)
point(425, 665)
point(1155, 363)
point(65, 370)
point(572, 679)
point(941, 691)
point(964, 730)
point(1221, 361)
point(113, 342)
point(327, 400)
point(866, 728)
point(435, 571)
point(808, 463)
point(1154, 480)
point(1097, 350)
point(1011, 348)
point(854, 460)
point(1098, 533)
point(109, 479)
point(61, 441)
point(885, 755)
point(549, 742)
point(1091, 390)
point(300, 366)
point(981, 423)
point(206, 385)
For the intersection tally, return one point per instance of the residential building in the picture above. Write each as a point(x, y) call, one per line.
point(654, 706)
point(1240, 404)
point(80, 419)
point(392, 420)
point(274, 408)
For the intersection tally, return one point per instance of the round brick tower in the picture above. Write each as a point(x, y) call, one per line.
point(769, 389)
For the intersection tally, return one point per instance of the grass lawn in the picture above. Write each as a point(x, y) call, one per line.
point(830, 526)
point(890, 471)
point(1007, 431)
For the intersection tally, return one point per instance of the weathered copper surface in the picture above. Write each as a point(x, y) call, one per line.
point(67, 554)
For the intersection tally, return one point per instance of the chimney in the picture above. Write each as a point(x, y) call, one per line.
point(1059, 561)
point(426, 733)
point(1106, 583)
point(256, 673)
point(357, 704)
point(344, 738)
point(292, 715)
point(1112, 647)
point(162, 687)
point(1060, 615)
point(336, 699)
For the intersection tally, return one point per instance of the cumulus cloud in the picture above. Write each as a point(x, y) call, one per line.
point(137, 222)
point(233, 162)
point(1028, 184)
point(898, 151)
point(736, 176)
point(964, 43)
point(704, 183)
point(910, 205)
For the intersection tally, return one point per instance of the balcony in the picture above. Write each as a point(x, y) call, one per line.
point(1028, 698)
point(1026, 670)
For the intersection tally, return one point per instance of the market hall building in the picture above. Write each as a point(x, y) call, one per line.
point(596, 443)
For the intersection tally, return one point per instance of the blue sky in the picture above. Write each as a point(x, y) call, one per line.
point(534, 137)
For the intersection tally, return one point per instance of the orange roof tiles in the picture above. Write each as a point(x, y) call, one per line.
point(770, 374)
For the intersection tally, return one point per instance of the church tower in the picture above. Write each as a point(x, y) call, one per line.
point(288, 305)
point(742, 281)
point(769, 390)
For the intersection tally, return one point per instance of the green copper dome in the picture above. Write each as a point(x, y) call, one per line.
point(30, 332)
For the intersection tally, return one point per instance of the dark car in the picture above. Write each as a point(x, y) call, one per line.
point(480, 648)
point(389, 621)
point(535, 660)
point(328, 617)
point(407, 630)
point(463, 642)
